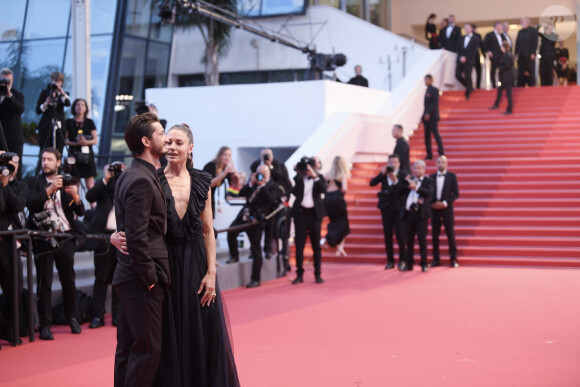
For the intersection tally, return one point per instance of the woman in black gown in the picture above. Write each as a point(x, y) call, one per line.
point(196, 348)
point(338, 228)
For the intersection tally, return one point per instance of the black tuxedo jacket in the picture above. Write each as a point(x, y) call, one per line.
point(471, 51)
point(432, 103)
point(359, 80)
point(402, 150)
point(45, 123)
point(264, 201)
point(425, 192)
point(103, 195)
point(12, 201)
point(450, 190)
point(450, 44)
point(278, 173)
point(11, 110)
point(490, 43)
point(37, 197)
point(141, 212)
point(506, 68)
point(527, 42)
point(318, 189)
point(390, 196)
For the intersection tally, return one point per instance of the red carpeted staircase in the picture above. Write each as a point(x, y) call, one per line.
point(519, 181)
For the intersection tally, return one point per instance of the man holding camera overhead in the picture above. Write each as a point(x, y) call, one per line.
point(53, 201)
point(51, 103)
point(11, 109)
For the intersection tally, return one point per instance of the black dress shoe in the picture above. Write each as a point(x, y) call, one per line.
point(319, 280)
point(405, 267)
point(97, 323)
point(75, 327)
point(233, 260)
point(424, 268)
point(298, 280)
point(507, 112)
point(454, 263)
point(115, 321)
point(435, 263)
point(46, 334)
point(429, 158)
point(267, 255)
point(493, 108)
point(253, 284)
point(390, 266)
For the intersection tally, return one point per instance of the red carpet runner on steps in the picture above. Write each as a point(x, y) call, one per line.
point(519, 181)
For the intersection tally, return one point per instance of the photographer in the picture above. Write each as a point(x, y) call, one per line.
point(51, 103)
point(103, 222)
point(81, 135)
point(12, 203)
point(390, 196)
point(53, 201)
point(308, 211)
point(261, 198)
point(11, 109)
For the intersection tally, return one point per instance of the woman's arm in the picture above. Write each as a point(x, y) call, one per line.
point(209, 237)
point(344, 184)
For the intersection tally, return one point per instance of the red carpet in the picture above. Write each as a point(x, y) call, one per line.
point(367, 327)
point(519, 181)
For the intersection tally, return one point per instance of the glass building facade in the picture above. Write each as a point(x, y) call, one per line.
point(130, 51)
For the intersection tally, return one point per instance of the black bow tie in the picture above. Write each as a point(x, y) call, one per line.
point(441, 175)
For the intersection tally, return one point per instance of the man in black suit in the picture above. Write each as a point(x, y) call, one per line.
point(141, 276)
point(467, 52)
point(58, 203)
point(401, 147)
point(492, 45)
point(390, 196)
point(477, 64)
point(506, 78)
point(308, 211)
point(548, 41)
point(417, 192)
point(431, 117)
point(261, 197)
point(450, 35)
point(103, 222)
point(526, 46)
point(11, 109)
point(358, 79)
point(446, 191)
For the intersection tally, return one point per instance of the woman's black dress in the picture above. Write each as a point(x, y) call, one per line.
point(338, 228)
point(196, 348)
point(82, 169)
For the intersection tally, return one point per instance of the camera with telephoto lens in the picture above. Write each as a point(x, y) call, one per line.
point(5, 167)
point(4, 82)
point(414, 207)
point(43, 221)
point(54, 94)
point(302, 166)
point(116, 168)
point(390, 169)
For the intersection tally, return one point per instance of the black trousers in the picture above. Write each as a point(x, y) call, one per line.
point(447, 216)
point(492, 75)
point(7, 280)
point(255, 236)
point(104, 258)
point(526, 64)
point(138, 334)
point(269, 235)
point(415, 225)
point(507, 85)
point(307, 223)
point(45, 257)
point(463, 75)
point(432, 127)
point(392, 219)
point(547, 70)
point(477, 66)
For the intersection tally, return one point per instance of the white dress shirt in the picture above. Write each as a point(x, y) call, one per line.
point(54, 206)
point(307, 199)
point(449, 30)
point(440, 182)
point(466, 40)
point(413, 196)
point(498, 37)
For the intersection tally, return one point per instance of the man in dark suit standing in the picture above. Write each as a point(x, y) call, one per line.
point(11, 109)
point(477, 64)
point(450, 35)
point(492, 45)
point(141, 276)
point(308, 211)
point(526, 46)
point(446, 191)
point(417, 192)
point(506, 78)
point(548, 41)
point(390, 196)
point(467, 51)
point(431, 117)
point(401, 147)
point(358, 79)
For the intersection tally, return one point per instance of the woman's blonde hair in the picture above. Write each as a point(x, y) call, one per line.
point(339, 169)
point(219, 154)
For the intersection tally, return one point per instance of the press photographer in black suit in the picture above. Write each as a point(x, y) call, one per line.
point(450, 35)
point(53, 201)
point(446, 191)
point(467, 53)
point(308, 211)
point(11, 109)
point(12, 202)
point(492, 46)
point(103, 222)
point(390, 203)
point(431, 117)
point(417, 192)
point(142, 276)
point(50, 104)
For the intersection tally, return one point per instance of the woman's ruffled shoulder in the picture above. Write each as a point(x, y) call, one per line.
point(200, 183)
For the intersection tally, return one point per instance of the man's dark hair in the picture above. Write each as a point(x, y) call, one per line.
point(138, 127)
point(54, 151)
point(429, 76)
point(394, 156)
point(398, 126)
